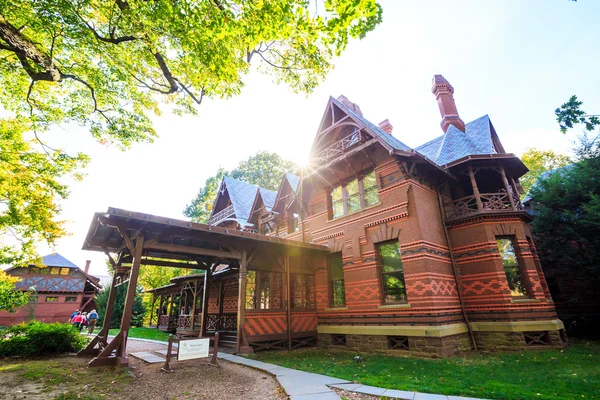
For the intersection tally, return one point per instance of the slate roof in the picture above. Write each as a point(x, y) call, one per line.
point(56, 260)
point(293, 180)
point(389, 139)
point(543, 176)
point(455, 144)
point(268, 197)
point(242, 196)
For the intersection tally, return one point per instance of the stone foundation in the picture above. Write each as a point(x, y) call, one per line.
point(434, 347)
point(515, 341)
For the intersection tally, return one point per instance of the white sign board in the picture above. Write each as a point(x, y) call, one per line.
point(190, 349)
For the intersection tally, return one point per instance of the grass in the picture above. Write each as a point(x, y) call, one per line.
point(142, 333)
point(66, 377)
point(551, 374)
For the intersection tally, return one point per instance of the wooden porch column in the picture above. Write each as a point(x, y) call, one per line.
point(160, 310)
point(122, 357)
point(152, 309)
point(288, 300)
point(204, 317)
point(507, 188)
point(241, 343)
point(475, 190)
point(195, 296)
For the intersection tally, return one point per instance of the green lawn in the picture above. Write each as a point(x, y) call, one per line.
point(552, 374)
point(142, 333)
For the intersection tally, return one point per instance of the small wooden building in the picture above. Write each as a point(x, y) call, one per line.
point(61, 287)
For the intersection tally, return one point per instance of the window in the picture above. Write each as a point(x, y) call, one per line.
point(398, 343)
point(511, 266)
point(302, 289)
point(264, 290)
point(54, 271)
point(355, 195)
point(392, 273)
point(336, 281)
point(338, 340)
point(71, 299)
point(293, 222)
point(64, 271)
point(51, 299)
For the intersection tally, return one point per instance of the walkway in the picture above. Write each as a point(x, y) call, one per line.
point(299, 385)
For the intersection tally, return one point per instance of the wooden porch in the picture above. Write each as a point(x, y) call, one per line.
point(201, 304)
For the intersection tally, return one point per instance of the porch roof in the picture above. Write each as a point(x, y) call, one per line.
point(171, 239)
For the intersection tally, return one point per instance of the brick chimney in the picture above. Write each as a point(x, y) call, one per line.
point(353, 106)
point(443, 91)
point(87, 266)
point(386, 126)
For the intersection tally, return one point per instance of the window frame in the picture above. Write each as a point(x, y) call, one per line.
point(70, 301)
point(258, 300)
point(306, 302)
point(382, 286)
point(293, 224)
point(346, 196)
point(330, 281)
point(519, 266)
point(46, 299)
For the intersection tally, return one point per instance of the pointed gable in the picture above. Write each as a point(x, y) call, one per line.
point(264, 198)
point(240, 194)
point(288, 187)
point(56, 260)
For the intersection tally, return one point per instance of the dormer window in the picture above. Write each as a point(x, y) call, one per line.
point(293, 220)
point(355, 195)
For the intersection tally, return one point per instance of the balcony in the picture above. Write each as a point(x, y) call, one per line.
point(222, 215)
point(339, 147)
point(482, 203)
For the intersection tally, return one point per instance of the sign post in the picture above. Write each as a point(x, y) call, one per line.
point(190, 349)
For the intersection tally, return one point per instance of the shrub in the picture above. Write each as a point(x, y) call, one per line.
point(37, 338)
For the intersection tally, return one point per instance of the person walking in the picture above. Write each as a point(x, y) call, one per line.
point(85, 322)
point(73, 315)
point(77, 320)
point(92, 319)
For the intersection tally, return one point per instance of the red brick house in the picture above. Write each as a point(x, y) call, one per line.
point(61, 288)
point(430, 250)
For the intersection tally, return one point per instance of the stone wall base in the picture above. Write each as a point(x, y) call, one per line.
point(433, 347)
point(447, 346)
point(518, 341)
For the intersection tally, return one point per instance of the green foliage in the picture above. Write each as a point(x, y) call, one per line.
point(264, 169)
point(30, 184)
point(11, 298)
point(570, 114)
point(567, 205)
point(551, 374)
point(107, 66)
point(143, 333)
point(137, 316)
point(102, 64)
point(37, 338)
point(538, 162)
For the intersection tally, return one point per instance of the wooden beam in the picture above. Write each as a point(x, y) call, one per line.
point(160, 263)
point(241, 343)
point(172, 248)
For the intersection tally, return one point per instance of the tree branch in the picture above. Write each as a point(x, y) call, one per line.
point(112, 39)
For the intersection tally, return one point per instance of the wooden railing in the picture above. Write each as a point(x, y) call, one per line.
point(185, 321)
point(221, 215)
point(166, 321)
point(490, 202)
point(223, 322)
point(339, 147)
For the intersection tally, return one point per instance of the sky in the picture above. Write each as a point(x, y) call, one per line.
point(514, 60)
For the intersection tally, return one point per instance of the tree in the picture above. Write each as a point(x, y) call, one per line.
point(11, 298)
point(108, 65)
point(567, 221)
point(139, 309)
point(538, 162)
point(30, 184)
point(264, 169)
point(101, 63)
point(570, 114)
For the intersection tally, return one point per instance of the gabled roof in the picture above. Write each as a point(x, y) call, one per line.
point(455, 144)
point(374, 129)
point(268, 197)
point(264, 197)
point(293, 181)
point(242, 196)
point(56, 260)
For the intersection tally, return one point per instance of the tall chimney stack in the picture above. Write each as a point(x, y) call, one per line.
point(443, 91)
point(386, 126)
point(353, 106)
point(87, 266)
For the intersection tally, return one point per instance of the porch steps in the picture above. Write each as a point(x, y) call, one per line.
point(226, 338)
point(147, 357)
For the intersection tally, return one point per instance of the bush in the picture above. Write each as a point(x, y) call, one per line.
point(37, 338)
